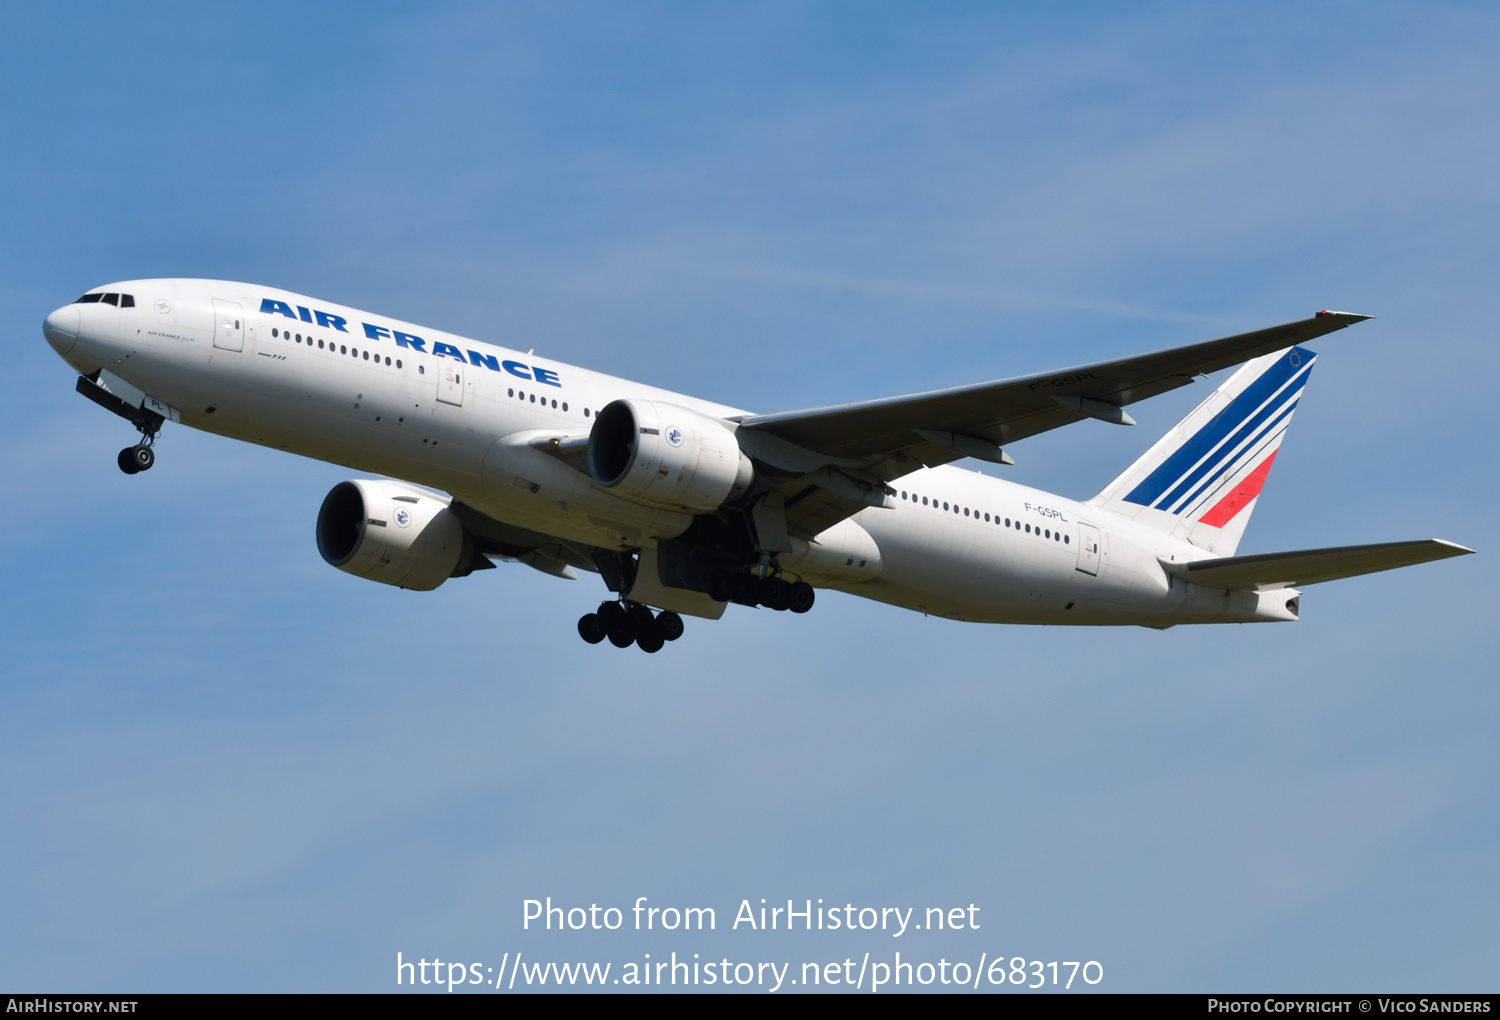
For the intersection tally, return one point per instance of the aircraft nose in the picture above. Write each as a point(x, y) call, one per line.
point(61, 328)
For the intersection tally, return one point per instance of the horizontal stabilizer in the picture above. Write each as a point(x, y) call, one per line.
point(1264, 571)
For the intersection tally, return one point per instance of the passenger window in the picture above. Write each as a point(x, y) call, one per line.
point(945, 505)
point(320, 345)
point(111, 299)
point(127, 300)
point(554, 403)
point(585, 412)
point(1007, 522)
point(533, 398)
point(398, 362)
point(387, 361)
point(421, 370)
point(1028, 529)
point(966, 511)
point(510, 393)
point(343, 350)
point(1067, 540)
point(274, 331)
point(924, 500)
point(565, 405)
point(1049, 533)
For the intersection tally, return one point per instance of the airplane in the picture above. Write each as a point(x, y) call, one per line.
point(683, 506)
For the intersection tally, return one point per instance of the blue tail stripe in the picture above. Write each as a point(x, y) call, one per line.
point(1241, 407)
point(1237, 461)
point(1215, 465)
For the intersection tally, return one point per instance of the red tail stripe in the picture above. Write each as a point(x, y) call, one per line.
point(1224, 510)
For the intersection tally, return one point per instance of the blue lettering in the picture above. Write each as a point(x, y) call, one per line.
point(407, 340)
point(439, 349)
point(269, 307)
point(376, 332)
point(306, 315)
point(542, 375)
point(517, 369)
point(487, 360)
point(330, 320)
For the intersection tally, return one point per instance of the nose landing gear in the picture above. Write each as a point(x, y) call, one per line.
point(630, 623)
point(133, 459)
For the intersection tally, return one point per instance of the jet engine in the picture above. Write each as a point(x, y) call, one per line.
point(393, 533)
point(666, 455)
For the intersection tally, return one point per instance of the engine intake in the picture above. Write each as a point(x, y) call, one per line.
point(667, 456)
point(392, 533)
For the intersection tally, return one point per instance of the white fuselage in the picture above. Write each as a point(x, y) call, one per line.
point(455, 414)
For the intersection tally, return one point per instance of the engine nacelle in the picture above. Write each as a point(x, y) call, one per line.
point(392, 533)
point(666, 455)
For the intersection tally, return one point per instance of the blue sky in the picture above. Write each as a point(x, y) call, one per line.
point(226, 766)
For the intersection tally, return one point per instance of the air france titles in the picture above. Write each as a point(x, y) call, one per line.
point(412, 342)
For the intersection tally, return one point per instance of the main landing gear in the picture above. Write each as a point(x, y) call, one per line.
point(135, 459)
point(772, 592)
point(630, 623)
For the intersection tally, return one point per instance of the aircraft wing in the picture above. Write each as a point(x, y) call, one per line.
point(1264, 571)
point(1011, 409)
point(859, 447)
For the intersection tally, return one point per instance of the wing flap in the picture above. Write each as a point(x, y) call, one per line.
point(1265, 571)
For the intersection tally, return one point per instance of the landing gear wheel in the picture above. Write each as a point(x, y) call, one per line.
point(801, 597)
point(144, 457)
point(669, 624)
point(590, 628)
point(718, 587)
point(744, 589)
point(642, 620)
point(126, 460)
point(645, 628)
point(775, 593)
point(616, 624)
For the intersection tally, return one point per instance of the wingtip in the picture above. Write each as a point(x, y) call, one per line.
point(1353, 317)
point(1456, 549)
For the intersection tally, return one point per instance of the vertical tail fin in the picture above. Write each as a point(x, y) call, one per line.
point(1200, 482)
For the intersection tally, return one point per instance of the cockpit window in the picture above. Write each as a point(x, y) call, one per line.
point(111, 299)
point(88, 299)
point(127, 300)
point(118, 300)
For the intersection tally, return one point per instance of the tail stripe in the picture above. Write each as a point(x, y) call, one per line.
point(1243, 445)
point(1240, 496)
point(1277, 389)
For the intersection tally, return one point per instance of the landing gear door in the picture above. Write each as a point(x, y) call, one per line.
point(1088, 549)
point(451, 383)
point(229, 326)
